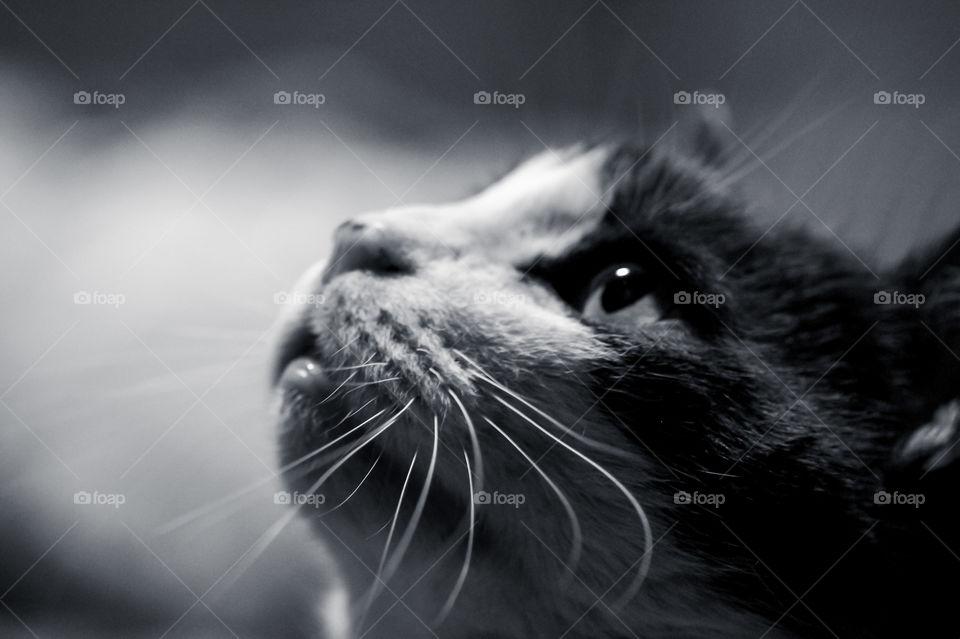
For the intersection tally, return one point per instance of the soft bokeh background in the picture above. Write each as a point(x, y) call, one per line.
point(199, 200)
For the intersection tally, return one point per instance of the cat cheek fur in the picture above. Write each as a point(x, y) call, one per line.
point(507, 326)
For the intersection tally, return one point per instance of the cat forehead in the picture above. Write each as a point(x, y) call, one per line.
point(551, 189)
point(541, 208)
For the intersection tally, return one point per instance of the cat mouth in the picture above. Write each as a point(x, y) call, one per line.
point(304, 374)
point(295, 360)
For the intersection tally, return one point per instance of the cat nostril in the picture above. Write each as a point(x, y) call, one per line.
point(365, 246)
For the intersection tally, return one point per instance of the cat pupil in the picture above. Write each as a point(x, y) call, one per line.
point(626, 286)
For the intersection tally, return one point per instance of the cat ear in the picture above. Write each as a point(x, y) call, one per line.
point(931, 449)
point(930, 280)
point(924, 472)
point(936, 265)
point(705, 130)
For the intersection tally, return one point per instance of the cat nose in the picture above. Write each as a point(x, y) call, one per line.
point(367, 245)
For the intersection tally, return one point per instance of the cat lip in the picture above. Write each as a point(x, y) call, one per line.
point(295, 342)
point(304, 374)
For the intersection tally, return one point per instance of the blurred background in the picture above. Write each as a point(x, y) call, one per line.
point(167, 169)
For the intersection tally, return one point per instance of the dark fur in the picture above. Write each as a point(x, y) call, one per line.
point(793, 399)
point(799, 322)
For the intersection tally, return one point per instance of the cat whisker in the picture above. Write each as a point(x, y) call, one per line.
point(358, 385)
point(576, 534)
point(641, 514)
point(354, 412)
point(411, 528)
point(378, 530)
point(222, 508)
point(350, 368)
point(759, 134)
point(378, 581)
point(375, 382)
point(474, 441)
point(354, 491)
point(303, 459)
point(462, 577)
point(204, 510)
point(735, 174)
point(385, 572)
point(274, 531)
point(337, 389)
point(600, 446)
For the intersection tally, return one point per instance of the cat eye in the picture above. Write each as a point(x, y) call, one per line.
point(623, 291)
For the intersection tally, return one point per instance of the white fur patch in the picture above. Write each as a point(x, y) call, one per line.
point(549, 203)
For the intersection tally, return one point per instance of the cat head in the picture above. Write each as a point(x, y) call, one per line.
point(596, 395)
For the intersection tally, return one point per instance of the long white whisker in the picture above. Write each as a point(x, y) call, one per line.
point(758, 135)
point(337, 389)
point(351, 368)
point(736, 174)
point(378, 530)
point(647, 534)
point(474, 441)
point(275, 530)
point(378, 582)
point(605, 448)
point(196, 513)
point(287, 467)
point(375, 382)
point(354, 412)
point(462, 577)
point(407, 537)
point(354, 491)
point(576, 534)
point(345, 346)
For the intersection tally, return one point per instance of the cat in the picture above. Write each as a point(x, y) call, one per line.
point(598, 399)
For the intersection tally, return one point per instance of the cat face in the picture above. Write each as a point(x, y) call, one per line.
point(583, 400)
